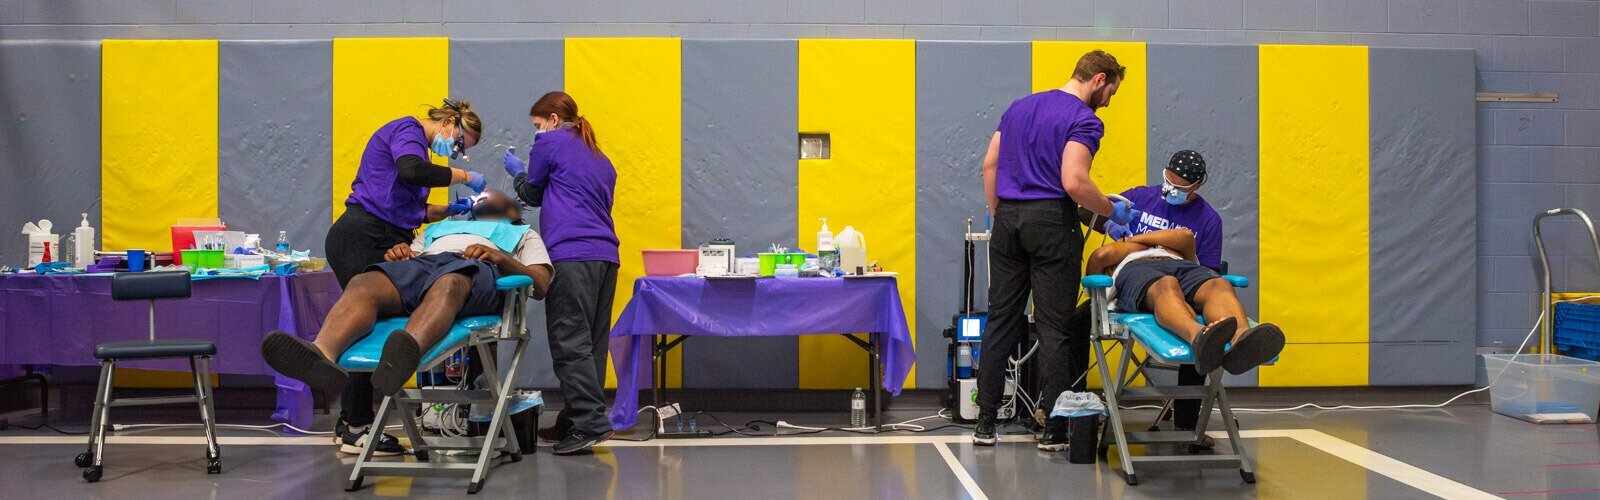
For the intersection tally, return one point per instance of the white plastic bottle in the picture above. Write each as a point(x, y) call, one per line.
point(852, 249)
point(824, 237)
point(858, 409)
point(83, 248)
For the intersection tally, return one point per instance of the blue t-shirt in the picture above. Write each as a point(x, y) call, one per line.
point(1196, 215)
point(1034, 132)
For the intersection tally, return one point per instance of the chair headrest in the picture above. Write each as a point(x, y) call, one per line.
point(150, 285)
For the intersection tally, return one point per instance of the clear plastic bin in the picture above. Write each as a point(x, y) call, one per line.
point(1543, 388)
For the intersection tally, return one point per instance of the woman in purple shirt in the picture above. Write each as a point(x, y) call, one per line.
point(388, 201)
point(573, 183)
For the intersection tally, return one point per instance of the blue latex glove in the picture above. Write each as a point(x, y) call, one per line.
point(462, 205)
point(475, 182)
point(1123, 213)
point(514, 165)
point(1117, 231)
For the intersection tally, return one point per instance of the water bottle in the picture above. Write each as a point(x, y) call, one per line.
point(858, 409)
point(283, 242)
point(963, 360)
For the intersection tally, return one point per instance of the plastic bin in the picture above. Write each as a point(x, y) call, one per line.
point(672, 262)
point(1576, 330)
point(1543, 388)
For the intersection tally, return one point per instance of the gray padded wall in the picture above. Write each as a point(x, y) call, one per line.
point(1204, 97)
point(962, 88)
point(274, 152)
point(1423, 241)
point(50, 102)
point(502, 79)
point(740, 133)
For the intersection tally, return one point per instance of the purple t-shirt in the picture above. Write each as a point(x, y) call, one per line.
point(1034, 132)
point(575, 218)
point(378, 187)
point(1196, 215)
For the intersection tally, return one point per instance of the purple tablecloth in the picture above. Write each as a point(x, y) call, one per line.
point(753, 308)
point(57, 320)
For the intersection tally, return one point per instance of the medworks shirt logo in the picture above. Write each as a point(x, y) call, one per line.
point(1151, 222)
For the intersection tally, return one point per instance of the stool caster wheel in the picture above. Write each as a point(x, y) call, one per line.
point(474, 487)
point(214, 465)
point(515, 457)
point(92, 474)
point(84, 459)
point(422, 455)
point(1249, 477)
point(1133, 480)
point(356, 485)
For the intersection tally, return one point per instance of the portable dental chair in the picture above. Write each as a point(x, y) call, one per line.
point(482, 333)
point(1163, 350)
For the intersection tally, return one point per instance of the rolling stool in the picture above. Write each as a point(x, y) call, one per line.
point(150, 286)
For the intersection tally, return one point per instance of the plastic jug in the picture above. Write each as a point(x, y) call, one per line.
point(852, 247)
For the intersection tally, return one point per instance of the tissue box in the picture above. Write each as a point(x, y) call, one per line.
point(233, 261)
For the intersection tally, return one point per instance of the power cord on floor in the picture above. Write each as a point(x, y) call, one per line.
point(49, 427)
point(119, 427)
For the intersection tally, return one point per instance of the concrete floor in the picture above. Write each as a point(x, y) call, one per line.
point(1302, 454)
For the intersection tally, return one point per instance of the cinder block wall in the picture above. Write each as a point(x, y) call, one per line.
point(1531, 156)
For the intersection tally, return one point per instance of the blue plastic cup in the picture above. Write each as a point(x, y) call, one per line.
point(135, 261)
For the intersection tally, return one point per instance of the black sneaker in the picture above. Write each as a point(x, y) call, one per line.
point(555, 433)
point(1055, 435)
point(983, 434)
point(578, 442)
point(352, 442)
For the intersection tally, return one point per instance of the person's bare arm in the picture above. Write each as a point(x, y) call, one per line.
point(1075, 162)
point(991, 164)
point(1180, 240)
point(540, 273)
point(1105, 259)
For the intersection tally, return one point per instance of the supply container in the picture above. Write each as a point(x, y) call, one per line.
point(240, 261)
point(1543, 388)
point(183, 234)
point(670, 262)
point(852, 247)
point(749, 266)
point(206, 259)
point(769, 262)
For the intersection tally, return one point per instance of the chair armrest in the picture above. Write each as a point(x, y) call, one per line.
point(512, 282)
point(1237, 280)
point(1096, 281)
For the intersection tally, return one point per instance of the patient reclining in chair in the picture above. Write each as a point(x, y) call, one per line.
point(447, 273)
point(1156, 273)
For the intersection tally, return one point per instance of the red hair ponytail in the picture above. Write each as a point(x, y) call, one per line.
point(560, 104)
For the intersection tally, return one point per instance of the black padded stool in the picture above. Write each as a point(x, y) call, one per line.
point(150, 286)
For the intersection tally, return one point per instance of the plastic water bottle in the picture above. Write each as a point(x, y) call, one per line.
point(283, 242)
point(964, 360)
point(858, 409)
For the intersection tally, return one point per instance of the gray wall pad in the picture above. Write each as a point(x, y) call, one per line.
point(274, 151)
point(1423, 237)
point(502, 79)
point(739, 182)
point(50, 101)
point(1204, 97)
point(962, 88)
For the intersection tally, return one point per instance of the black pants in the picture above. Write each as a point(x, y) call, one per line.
point(357, 240)
point(1035, 247)
point(578, 317)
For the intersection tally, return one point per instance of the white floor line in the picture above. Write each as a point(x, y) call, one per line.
point(792, 441)
point(226, 440)
point(1376, 462)
point(961, 473)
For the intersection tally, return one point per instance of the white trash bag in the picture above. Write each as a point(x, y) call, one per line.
point(1078, 404)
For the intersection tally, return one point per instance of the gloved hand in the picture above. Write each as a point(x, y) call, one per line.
point(514, 165)
point(475, 181)
point(1117, 231)
point(1123, 213)
point(461, 205)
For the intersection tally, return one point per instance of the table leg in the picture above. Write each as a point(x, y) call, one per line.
point(877, 384)
point(658, 370)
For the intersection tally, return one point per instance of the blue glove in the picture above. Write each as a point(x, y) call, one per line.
point(514, 165)
point(475, 182)
point(1123, 213)
point(462, 205)
point(1117, 231)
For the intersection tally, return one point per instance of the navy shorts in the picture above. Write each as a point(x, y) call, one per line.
point(1136, 278)
point(414, 276)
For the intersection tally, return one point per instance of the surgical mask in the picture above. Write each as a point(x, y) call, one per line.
point(1173, 194)
point(537, 133)
point(441, 146)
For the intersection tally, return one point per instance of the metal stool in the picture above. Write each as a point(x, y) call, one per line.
point(150, 286)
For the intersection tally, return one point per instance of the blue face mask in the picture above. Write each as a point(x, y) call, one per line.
point(1173, 194)
point(441, 146)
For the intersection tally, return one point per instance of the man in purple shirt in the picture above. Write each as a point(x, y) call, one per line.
point(1036, 174)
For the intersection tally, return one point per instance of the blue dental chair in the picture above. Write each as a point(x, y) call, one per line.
point(483, 333)
point(1162, 350)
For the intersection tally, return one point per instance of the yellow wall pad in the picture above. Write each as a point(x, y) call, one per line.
point(631, 89)
point(376, 80)
point(1120, 163)
point(863, 93)
point(158, 138)
point(1314, 250)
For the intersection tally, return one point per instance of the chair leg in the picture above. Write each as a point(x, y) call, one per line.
point(202, 392)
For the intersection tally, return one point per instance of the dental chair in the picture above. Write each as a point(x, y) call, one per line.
point(1162, 350)
point(482, 333)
